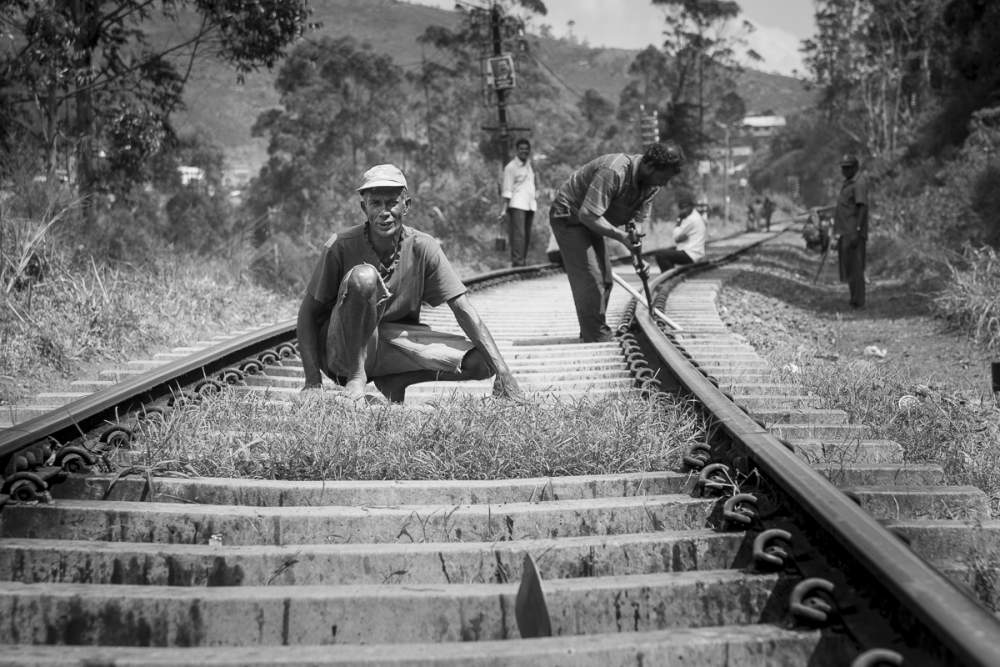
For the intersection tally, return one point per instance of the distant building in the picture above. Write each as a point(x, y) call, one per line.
point(761, 127)
point(236, 177)
point(191, 174)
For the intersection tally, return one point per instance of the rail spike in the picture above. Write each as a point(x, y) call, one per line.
point(878, 657)
point(771, 549)
point(811, 601)
point(715, 478)
point(740, 509)
point(74, 458)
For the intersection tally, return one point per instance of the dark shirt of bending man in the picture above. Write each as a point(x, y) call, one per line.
point(597, 202)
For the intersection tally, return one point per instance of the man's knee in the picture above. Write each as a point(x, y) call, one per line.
point(475, 366)
point(362, 279)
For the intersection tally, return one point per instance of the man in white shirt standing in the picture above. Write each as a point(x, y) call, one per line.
point(689, 235)
point(518, 194)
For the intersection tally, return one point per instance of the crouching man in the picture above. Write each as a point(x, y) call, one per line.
point(360, 316)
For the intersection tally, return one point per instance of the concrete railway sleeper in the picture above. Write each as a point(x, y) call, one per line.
point(749, 555)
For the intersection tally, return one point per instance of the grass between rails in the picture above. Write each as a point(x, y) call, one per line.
point(316, 436)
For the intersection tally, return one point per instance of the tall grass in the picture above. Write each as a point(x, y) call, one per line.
point(317, 436)
point(81, 309)
point(970, 300)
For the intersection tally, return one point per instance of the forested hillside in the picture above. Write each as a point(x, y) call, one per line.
point(226, 110)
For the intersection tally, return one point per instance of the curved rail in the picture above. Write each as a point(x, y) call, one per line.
point(103, 409)
point(963, 627)
point(959, 622)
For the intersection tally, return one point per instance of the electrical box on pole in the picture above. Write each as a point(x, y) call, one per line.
point(649, 126)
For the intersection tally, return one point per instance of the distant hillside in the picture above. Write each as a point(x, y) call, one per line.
point(225, 110)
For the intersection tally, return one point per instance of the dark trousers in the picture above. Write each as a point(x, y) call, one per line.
point(588, 268)
point(669, 258)
point(851, 259)
point(519, 234)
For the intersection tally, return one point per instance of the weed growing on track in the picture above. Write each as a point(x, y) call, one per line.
point(969, 300)
point(956, 430)
point(317, 436)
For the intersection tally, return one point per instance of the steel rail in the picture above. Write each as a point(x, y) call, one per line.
point(959, 622)
point(67, 422)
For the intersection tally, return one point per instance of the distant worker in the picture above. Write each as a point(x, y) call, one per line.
point(850, 225)
point(518, 209)
point(689, 235)
point(751, 215)
point(360, 316)
point(766, 211)
point(595, 203)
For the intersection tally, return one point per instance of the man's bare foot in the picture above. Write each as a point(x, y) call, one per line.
point(355, 388)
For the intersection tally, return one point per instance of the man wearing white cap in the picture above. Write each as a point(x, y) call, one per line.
point(360, 316)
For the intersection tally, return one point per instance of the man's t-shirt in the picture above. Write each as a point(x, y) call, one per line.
point(519, 185)
point(854, 191)
point(693, 228)
point(423, 274)
point(606, 186)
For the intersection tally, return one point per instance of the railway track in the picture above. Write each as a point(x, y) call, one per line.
point(748, 555)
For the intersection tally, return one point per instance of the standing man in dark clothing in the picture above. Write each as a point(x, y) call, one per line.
point(766, 211)
point(595, 203)
point(850, 224)
point(518, 194)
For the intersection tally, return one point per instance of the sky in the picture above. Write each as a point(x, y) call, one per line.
point(633, 24)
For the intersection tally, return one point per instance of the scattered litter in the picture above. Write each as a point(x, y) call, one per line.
point(215, 540)
point(828, 357)
point(875, 351)
point(790, 368)
point(907, 401)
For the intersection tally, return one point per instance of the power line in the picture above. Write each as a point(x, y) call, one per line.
point(554, 75)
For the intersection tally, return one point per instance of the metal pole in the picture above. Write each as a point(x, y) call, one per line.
point(501, 93)
point(725, 179)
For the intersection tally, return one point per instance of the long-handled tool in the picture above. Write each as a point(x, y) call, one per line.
point(640, 299)
point(641, 270)
point(822, 262)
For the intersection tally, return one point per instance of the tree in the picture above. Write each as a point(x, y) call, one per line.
point(481, 32)
point(878, 63)
point(697, 62)
point(703, 37)
point(339, 107)
point(91, 79)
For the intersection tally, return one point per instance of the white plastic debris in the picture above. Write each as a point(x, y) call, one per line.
point(875, 351)
point(215, 540)
point(790, 368)
point(907, 401)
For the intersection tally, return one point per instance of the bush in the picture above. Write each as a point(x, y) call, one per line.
point(985, 202)
point(969, 300)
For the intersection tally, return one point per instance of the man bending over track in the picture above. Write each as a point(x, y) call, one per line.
point(598, 201)
point(360, 316)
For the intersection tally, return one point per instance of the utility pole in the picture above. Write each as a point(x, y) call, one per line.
point(502, 129)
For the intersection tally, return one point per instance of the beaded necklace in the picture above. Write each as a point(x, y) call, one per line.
point(386, 270)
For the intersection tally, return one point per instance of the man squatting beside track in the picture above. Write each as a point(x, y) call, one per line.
point(689, 234)
point(360, 316)
point(597, 201)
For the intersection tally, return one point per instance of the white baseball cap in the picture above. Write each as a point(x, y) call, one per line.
point(382, 176)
